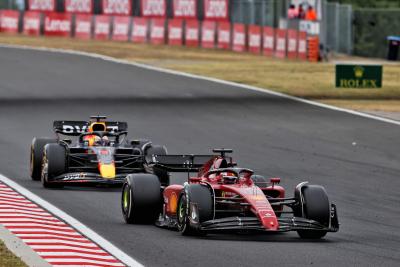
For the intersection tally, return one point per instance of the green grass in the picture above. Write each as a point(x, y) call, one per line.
point(7, 259)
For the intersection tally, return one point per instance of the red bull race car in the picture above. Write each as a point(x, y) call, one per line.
point(100, 154)
point(223, 197)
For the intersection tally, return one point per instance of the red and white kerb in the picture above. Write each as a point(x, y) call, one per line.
point(55, 241)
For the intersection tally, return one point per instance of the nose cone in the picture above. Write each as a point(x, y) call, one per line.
point(107, 170)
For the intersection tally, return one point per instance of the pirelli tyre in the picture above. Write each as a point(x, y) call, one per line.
point(162, 175)
point(141, 200)
point(315, 207)
point(54, 164)
point(195, 206)
point(36, 156)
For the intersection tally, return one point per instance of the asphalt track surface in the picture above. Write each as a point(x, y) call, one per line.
point(356, 159)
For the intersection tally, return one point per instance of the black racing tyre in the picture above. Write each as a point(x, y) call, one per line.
point(141, 200)
point(259, 180)
point(201, 196)
point(54, 164)
point(162, 175)
point(36, 156)
point(316, 207)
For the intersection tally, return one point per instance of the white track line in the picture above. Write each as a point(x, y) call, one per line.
point(199, 77)
point(86, 231)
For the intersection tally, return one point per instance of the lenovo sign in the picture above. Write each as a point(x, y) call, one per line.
point(185, 9)
point(153, 8)
point(78, 6)
point(117, 7)
point(216, 9)
point(9, 21)
point(42, 5)
point(57, 24)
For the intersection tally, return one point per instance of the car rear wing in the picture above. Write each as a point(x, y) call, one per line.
point(75, 128)
point(181, 163)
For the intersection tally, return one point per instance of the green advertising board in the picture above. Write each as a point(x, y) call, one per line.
point(358, 76)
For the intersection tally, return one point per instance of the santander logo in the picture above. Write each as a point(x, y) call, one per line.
point(185, 8)
point(31, 23)
point(9, 23)
point(82, 27)
point(216, 9)
point(57, 25)
point(153, 7)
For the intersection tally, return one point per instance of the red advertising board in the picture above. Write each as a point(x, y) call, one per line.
point(184, 9)
point(268, 41)
point(208, 34)
point(102, 27)
point(57, 24)
point(157, 31)
point(41, 5)
point(83, 26)
point(302, 46)
point(153, 8)
point(78, 6)
point(192, 33)
point(224, 35)
point(239, 38)
point(31, 23)
point(175, 31)
point(292, 44)
point(9, 21)
point(216, 9)
point(117, 7)
point(139, 30)
point(254, 39)
point(280, 45)
point(121, 28)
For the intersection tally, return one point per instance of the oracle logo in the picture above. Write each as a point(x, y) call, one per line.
point(254, 40)
point(31, 23)
point(216, 8)
point(239, 38)
point(102, 28)
point(208, 35)
point(139, 30)
point(280, 44)
point(302, 46)
point(192, 34)
point(116, 7)
point(175, 33)
point(224, 36)
point(121, 28)
point(292, 45)
point(78, 6)
point(82, 26)
point(9, 23)
point(153, 8)
point(185, 8)
point(43, 5)
point(268, 42)
point(55, 25)
point(157, 32)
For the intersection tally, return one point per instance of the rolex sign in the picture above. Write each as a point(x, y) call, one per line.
point(359, 76)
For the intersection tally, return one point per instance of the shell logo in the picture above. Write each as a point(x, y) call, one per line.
point(173, 202)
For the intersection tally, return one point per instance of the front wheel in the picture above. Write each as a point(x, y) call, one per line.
point(316, 207)
point(194, 207)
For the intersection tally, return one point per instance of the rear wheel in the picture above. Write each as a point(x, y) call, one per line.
point(141, 200)
point(36, 156)
point(316, 207)
point(162, 175)
point(200, 196)
point(54, 164)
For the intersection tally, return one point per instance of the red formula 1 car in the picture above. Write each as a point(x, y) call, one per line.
point(225, 198)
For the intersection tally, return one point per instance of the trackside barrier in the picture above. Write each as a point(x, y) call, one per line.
point(268, 41)
point(153, 8)
point(79, 7)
